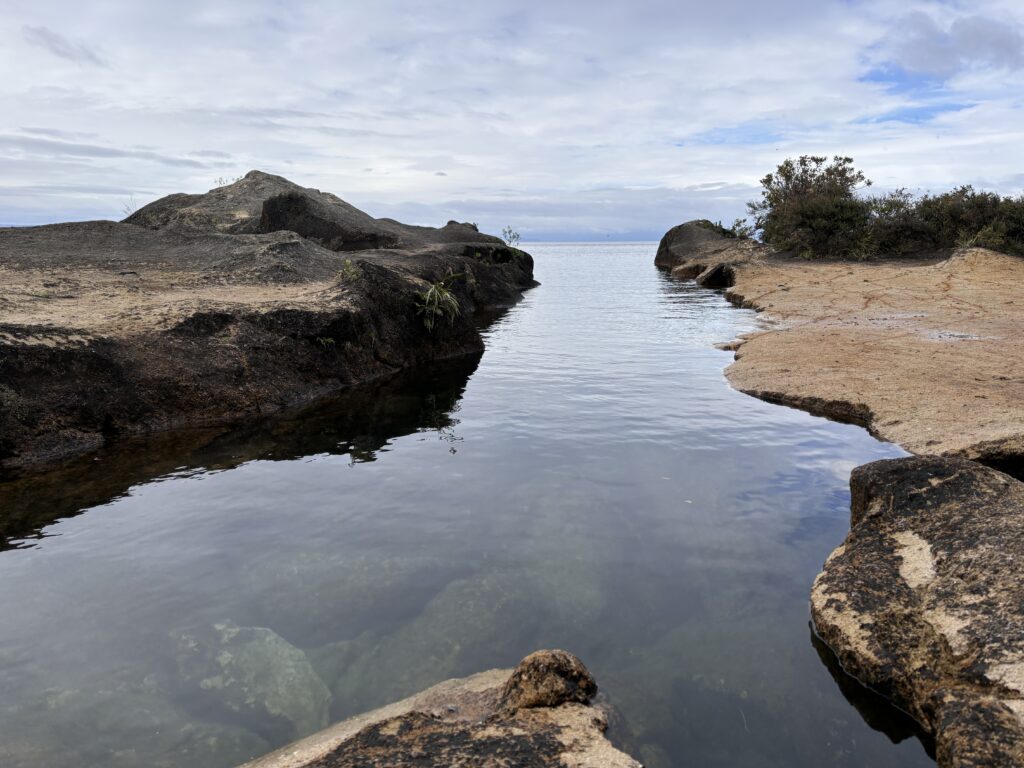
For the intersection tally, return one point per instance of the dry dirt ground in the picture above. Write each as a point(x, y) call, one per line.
point(104, 303)
point(928, 355)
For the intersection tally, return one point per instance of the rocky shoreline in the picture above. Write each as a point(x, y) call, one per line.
point(937, 370)
point(923, 602)
point(201, 310)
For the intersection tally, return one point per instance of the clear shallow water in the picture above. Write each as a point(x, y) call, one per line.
point(593, 484)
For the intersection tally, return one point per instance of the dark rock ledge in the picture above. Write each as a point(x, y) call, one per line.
point(924, 601)
point(539, 715)
point(207, 309)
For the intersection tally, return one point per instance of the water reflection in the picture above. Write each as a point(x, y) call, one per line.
point(877, 711)
point(358, 424)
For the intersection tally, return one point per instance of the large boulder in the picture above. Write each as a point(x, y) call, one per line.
point(692, 240)
point(924, 601)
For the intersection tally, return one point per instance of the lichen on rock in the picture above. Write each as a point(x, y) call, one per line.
point(924, 601)
point(535, 715)
point(547, 679)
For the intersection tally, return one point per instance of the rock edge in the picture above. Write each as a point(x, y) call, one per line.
point(488, 719)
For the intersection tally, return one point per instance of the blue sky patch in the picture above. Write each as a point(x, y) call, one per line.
point(914, 115)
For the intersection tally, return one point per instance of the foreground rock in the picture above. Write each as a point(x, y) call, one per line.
point(924, 353)
point(537, 716)
point(924, 601)
point(205, 309)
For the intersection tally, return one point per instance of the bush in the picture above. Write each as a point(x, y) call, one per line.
point(510, 236)
point(814, 209)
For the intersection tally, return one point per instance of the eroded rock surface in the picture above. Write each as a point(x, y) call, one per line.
point(468, 722)
point(924, 601)
point(206, 309)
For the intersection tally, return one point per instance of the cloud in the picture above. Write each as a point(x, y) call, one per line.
point(60, 46)
point(567, 117)
point(57, 133)
point(49, 148)
point(210, 153)
point(923, 45)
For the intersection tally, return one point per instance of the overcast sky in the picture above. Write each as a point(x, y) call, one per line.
point(575, 119)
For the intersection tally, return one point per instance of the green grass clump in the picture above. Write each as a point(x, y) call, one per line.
point(438, 303)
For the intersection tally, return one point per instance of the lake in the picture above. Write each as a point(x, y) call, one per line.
point(591, 483)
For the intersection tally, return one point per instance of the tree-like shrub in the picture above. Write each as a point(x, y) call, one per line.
point(810, 206)
point(814, 208)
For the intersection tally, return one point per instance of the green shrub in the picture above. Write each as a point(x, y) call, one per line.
point(349, 272)
point(896, 228)
point(742, 229)
point(813, 208)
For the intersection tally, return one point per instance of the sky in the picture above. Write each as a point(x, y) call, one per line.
point(567, 120)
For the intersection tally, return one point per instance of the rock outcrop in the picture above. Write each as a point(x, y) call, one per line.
point(538, 716)
point(207, 309)
point(924, 601)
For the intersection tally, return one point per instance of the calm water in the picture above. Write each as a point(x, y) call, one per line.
point(593, 484)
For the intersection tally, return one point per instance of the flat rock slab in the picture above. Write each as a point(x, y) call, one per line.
point(924, 601)
point(490, 719)
point(925, 353)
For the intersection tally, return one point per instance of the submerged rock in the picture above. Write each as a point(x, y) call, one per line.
point(924, 601)
point(254, 673)
point(123, 726)
point(467, 722)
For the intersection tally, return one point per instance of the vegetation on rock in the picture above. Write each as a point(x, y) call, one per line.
point(815, 208)
point(438, 302)
point(510, 236)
